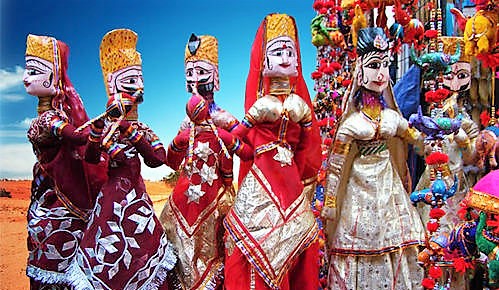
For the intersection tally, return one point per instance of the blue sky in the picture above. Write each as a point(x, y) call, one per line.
point(163, 28)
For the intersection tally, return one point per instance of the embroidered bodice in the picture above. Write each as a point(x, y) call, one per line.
point(270, 108)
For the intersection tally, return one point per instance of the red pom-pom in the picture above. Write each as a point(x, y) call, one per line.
point(489, 59)
point(462, 212)
point(442, 94)
point(428, 283)
point(329, 4)
point(436, 213)
point(346, 83)
point(485, 118)
point(329, 70)
point(429, 97)
point(460, 265)
point(323, 11)
point(328, 141)
point(435, 272)
point(437, 158)
point(432, 226)
point(432, 33)
point(436, 96)
point(318, 5)
point(336, 65)
point(316, 75)
point(338, 112)
point(493, 223)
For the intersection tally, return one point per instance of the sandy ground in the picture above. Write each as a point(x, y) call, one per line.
point(13, 252)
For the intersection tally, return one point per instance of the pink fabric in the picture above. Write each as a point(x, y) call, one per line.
point(489, 184)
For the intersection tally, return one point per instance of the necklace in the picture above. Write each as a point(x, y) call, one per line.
point(44, 104)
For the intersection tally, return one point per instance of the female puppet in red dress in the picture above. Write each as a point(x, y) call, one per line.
point(64, 186)
point(194, 212)
point(271, 231)
point(124, 246)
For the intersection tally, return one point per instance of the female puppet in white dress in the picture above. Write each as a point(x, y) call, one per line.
point(372, 228)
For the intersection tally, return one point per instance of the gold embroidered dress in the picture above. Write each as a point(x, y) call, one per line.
point(377, 224)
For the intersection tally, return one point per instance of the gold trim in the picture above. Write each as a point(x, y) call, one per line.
point(207, 51)
point(118, 51)
point(330, 201)
point(309, 180)
point(341, 148)
point(280, 25)
point(44, 104)
point(450, 45)
point(482, 201)
point(493, 255)
point(40, 46)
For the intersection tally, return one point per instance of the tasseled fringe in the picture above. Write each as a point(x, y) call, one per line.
point(216, 280)
point(72, 277)
point(164, 270)
point(76, 278)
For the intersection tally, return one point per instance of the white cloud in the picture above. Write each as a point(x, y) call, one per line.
point(8, 97)
point(11, 79)
point(16, 161)
point(11, 82)
point(12, 134)
point(25, 123)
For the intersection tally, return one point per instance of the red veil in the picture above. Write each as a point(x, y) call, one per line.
point(256, 87)
point(68, 99)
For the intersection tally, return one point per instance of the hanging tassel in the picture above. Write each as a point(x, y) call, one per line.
point(190, 151)
point(222, 144)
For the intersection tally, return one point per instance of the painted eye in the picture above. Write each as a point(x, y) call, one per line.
point(278, 53)
point(32, 72)
point(463, 75)
point(374, 65)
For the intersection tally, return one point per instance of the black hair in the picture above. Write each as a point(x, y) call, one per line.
point(366, 43)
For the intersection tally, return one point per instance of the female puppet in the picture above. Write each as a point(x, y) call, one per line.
point(60, 202)
point(124, 246)
point(194, 212)
point(372, 228)
point(271, 231)
point(201, 74)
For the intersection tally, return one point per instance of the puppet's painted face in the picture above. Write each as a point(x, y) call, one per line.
point(127, 80)
point(281, 58)
point(201, 75)
point(38, 78)
point(459, 79)
point(374, 73)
